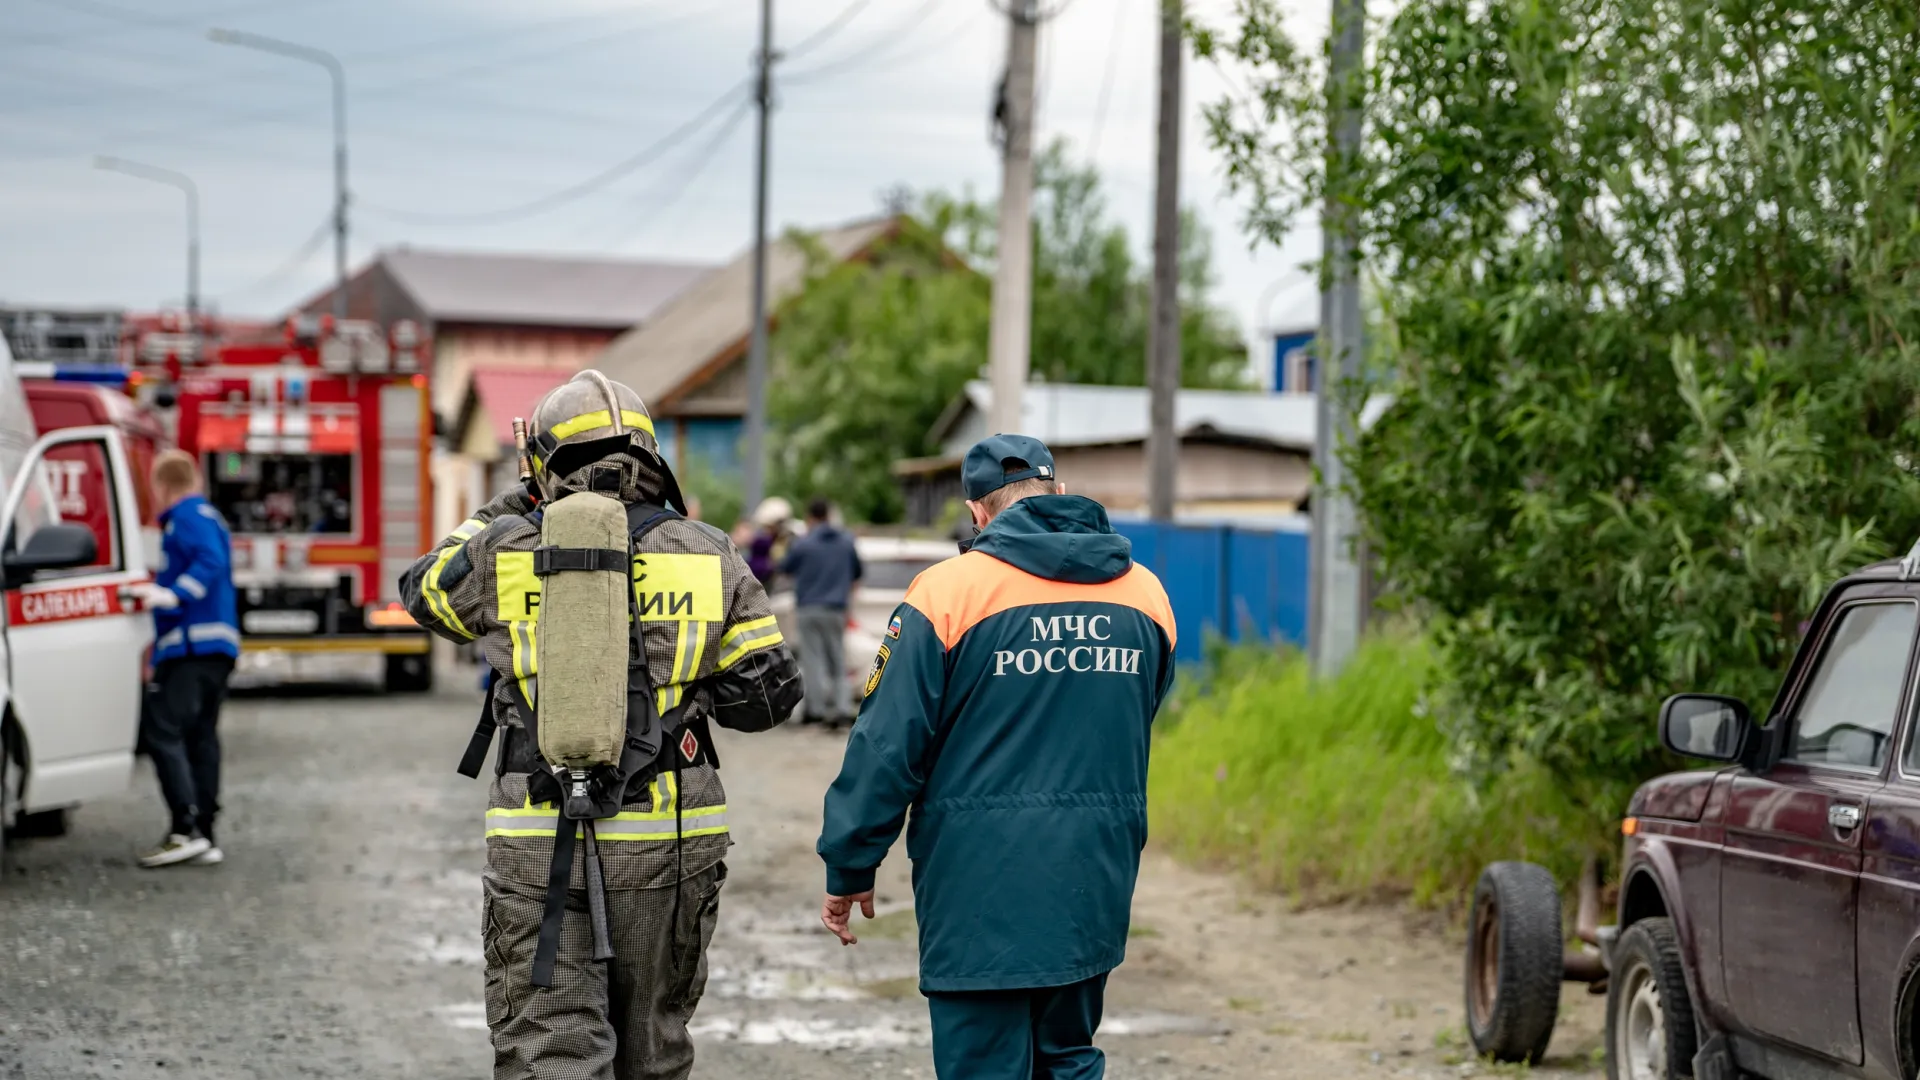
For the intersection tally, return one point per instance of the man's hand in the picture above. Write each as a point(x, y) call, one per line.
point(837, 910)
point(153, 596)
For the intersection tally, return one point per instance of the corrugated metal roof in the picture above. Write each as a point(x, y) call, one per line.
point(715, 314)
point(539, 290)
point(1073, 415)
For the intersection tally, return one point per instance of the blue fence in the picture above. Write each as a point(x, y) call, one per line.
point(1241, 583)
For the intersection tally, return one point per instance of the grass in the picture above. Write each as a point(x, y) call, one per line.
point(1342, 788)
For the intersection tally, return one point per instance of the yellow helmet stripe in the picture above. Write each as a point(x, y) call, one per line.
point(602, 418)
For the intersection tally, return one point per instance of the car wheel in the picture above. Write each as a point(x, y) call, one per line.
point(1650, 1027)
point(1514, 962)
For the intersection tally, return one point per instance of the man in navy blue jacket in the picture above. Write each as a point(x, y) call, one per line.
point(196, 641)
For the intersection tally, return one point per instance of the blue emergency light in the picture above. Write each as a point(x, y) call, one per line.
point(87, 373)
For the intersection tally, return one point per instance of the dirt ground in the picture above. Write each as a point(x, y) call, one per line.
point(341, 938)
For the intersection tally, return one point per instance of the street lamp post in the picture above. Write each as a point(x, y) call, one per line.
point(332, 64)
point(185, 184)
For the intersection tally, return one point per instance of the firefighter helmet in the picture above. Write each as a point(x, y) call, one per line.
point(593, 434)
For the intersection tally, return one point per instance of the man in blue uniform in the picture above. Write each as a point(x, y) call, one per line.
point(1010, 706)
point(195, 644)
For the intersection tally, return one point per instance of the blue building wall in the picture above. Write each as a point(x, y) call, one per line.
point(714, 441)
point(1243, 584)
point(1285, 346)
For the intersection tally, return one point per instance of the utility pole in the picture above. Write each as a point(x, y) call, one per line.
point(754, 480)
point(185, 184)
point(1335, 604)
point(1163, 333)
point(1008, 342)
point(339, 75)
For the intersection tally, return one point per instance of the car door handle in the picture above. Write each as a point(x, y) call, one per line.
point(1844, 818)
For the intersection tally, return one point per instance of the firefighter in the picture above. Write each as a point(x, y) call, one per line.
point(712, 653)
point(1010, 705)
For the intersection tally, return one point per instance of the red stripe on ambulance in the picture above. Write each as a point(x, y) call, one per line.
point(59, 605)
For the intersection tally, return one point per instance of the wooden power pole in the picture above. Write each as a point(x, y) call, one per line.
point(1008, 341)
point(1163, 335)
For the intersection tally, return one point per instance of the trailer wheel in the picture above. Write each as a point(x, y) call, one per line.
point(1514, 962)
point(409, 673)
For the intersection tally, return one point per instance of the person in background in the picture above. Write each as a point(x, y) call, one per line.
point(769, 525)
point(824, 567)
point(196, 641)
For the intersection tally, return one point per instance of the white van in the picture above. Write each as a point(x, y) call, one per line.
point(74, 639)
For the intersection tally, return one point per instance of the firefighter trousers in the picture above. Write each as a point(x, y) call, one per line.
point(622, 1020)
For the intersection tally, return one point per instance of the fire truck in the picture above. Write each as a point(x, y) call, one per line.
point(315, 438)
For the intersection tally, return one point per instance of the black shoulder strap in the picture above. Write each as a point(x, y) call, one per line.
point(642, 518)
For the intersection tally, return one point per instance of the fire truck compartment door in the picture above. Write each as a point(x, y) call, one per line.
point(75, 641)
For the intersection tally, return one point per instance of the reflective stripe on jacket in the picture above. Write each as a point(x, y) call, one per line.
point(197, 567)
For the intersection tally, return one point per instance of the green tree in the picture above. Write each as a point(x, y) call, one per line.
point(1647, 272)
point(871, 352)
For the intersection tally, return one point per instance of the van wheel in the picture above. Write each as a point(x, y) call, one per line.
point(1650, 1027)
point(1514, 962)
point(409, 673)
point(46, 823)
point(12, 775)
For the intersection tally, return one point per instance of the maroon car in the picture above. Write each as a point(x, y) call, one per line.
point(1769, 919)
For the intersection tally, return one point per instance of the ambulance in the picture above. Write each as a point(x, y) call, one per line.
point(75, 638)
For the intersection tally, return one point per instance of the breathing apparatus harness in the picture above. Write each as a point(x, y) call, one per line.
point(654, 743)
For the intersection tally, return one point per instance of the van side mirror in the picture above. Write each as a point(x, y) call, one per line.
point(51, 547)
point(1706, 726)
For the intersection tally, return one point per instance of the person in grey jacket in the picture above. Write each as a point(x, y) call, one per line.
point(825, 568)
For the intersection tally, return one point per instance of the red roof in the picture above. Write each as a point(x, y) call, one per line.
point(505, 394)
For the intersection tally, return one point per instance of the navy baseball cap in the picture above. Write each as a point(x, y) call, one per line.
point(985, 469)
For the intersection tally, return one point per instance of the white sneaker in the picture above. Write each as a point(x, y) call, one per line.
point(176, 849)
point(210, 857)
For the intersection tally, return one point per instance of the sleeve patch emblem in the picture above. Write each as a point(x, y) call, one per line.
point(893, 627)
point(879, 668)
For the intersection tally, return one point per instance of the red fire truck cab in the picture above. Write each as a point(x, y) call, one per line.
point(315, 440)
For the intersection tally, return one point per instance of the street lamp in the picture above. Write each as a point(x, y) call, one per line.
point(185, 184)
point(332, 64)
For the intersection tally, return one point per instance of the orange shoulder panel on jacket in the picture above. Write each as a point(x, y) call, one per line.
point(959, 594)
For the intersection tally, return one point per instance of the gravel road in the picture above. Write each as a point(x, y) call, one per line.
point(341, 938)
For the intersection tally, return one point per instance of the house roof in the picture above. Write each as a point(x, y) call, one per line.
point(1073, 415)
point(701, 330)
point(536, 290)
point(503, 394)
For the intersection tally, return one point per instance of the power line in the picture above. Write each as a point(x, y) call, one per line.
point(189, 23)
point(573, 191)
point(1106, 89)
point(199, 129)
point(415, 51)
point(288, 266)
point(891, 35)
point(827, 31)
point(677, 186)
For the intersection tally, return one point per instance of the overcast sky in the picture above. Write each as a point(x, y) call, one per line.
point(475, 106)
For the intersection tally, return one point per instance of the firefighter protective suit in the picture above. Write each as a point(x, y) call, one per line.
point(713, 653)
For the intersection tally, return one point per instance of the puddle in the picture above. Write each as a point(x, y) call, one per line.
point(451, 951)
point(817, 1034)
point(1158, 1024)
point(780, 984)
point(467, 1016)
